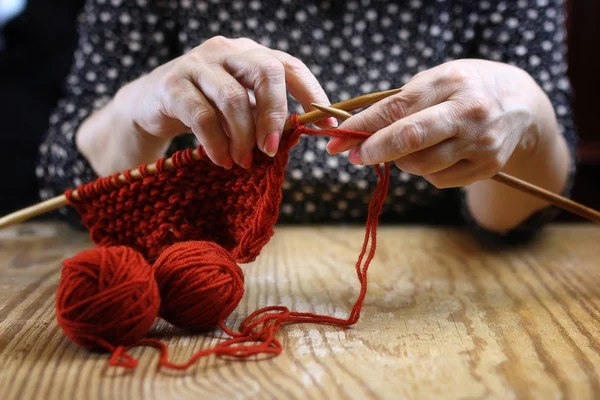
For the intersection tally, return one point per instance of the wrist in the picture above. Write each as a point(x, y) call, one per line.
point(112, 141)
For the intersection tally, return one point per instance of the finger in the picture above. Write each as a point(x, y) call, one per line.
point(304, 86)
point(411, 134)
point(433, 159)
point(187, 104)
point(231, 100)
point(339, 144)
point(463, 173)
point(265, 75)
point(426, 89)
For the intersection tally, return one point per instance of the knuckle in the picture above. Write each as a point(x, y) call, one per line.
point(276, 114)
point(202, 115)
point(395, 108)
point(168, 85)
point(479, 109)
point(268, 70)
point(454, 75)
point(217, 42)
point(295, 65)
point(232, 97)
point(409, 138)
point(488, 143)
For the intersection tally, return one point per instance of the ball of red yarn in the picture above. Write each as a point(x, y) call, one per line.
point(200, 284)
point(107, 297)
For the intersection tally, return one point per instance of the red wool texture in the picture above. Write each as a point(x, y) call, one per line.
point(193, 223)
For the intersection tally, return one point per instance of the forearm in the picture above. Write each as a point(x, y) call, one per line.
point(111, 140)
point(546, 163)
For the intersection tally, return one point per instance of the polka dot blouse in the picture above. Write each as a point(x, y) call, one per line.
point(352, 47)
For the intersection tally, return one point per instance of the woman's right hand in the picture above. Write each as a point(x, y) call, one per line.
point(216, 90)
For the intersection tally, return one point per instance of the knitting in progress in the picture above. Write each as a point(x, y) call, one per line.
point(169, 246)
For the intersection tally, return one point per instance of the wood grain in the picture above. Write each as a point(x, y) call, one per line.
point(443, 319)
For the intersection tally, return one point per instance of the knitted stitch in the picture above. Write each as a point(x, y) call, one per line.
point(235, 208)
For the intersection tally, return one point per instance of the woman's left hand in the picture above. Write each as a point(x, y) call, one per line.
point(454, 124)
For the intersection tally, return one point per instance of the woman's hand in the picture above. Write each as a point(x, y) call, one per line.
point(231, 93)
point(461, 123)
point(454, 124)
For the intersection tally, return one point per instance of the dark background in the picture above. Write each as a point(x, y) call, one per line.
point(39, 49)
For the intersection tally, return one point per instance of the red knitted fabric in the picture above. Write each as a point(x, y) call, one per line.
point(235, 208)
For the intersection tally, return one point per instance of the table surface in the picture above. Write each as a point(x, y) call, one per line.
point(443, 318)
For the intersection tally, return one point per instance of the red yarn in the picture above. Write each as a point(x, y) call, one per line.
point(235, 209)
point(107, 297)
point(199, 283)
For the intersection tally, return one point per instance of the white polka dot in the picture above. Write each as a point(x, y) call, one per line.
point(135, 46)
point(521, 50)
point(317, 173)
point(435, 30)
point(403, 34)
point(324, 51)
point(377, 38)
point(352, 79)
point(297, 174)
point(125, 18)
point(532, 14)
point(300, 16)
point(280, 14)
point(252, 23)
point(90, 76)
point(366, 87)
point(127, 60)
point(344, 177)
point(332, 162)
point(287, 209)
point(561, 110)
point(534, 61)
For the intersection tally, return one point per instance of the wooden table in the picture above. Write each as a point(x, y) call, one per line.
point(443, 319)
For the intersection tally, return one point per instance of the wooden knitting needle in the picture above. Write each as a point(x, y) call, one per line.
point(515, 183)
point(307, 118)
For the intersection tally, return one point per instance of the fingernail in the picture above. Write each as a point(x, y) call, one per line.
point(272, 144)
point(354, 157)
point(247, 162)
point(332, 122)
point(228, 163)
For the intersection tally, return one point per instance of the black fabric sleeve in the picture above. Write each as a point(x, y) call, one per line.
point(529, 34)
